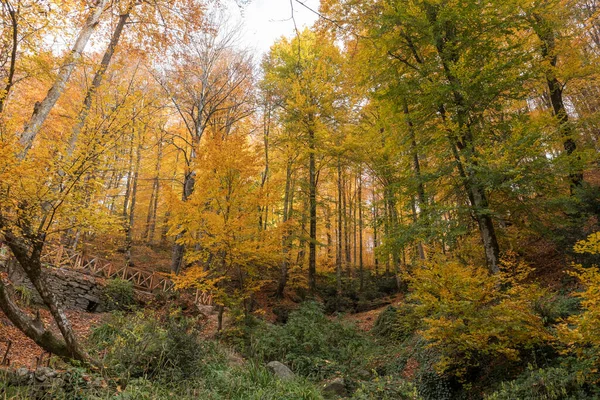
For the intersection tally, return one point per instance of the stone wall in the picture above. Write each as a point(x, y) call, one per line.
point(73, 289)
point(44, 381)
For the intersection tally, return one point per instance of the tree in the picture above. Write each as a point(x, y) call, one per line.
point(302, 73)
point(209, 85)
point(217, 223)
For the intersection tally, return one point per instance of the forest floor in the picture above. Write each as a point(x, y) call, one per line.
point(25, 353)
point(366, 319)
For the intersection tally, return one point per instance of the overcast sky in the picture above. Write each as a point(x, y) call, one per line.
point(265, 21)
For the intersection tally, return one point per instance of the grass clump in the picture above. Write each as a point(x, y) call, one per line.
point(146, 344)
point(312, 345)
point(118, 295)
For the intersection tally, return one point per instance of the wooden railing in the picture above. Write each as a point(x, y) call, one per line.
point(58, 256)
point(4, 360)
point(61, 257)
point(204, 298)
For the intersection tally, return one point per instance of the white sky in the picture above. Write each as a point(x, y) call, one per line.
point(265, 21)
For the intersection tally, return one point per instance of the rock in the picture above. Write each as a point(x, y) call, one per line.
point(363, 374)
point(335, 387)
point(281, 370)
point(22, 372)
point(206, 310)
point(22, 376)
point(42, 373)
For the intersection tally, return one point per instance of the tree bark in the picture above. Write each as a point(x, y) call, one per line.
point(153, 204)
point(417, 172)
point(97, 81)
point(179, 249)
point(312, 245)
point(360, 232)
point(338, 253)
point(375, 234)
point(462, 143)
point(555, 88)
point(43, 108)
point(285, 239)
point(131, 219)
point(29, 259)
point(33, 329)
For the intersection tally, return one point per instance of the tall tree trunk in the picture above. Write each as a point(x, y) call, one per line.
point(353, 213)
point(188, 189)
point(386, 229)
point(97, 81)
point(375, 233)
point(338, 253)
point(178, 248)
point(420, 250)
point(128, 187)
point(262, 223)
point(150, 229)
point(393, 226)
point(462, 142)
point(285, 239)
point(43, 108)
point(312, 245)
point(360, 231)
point(131, 219)
point(417, 172)
point(547, 36)
point(347, 247)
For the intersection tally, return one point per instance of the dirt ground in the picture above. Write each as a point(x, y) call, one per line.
point(24, 352)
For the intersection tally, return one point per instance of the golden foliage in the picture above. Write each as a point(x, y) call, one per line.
point(469, 313)
point(581, 332)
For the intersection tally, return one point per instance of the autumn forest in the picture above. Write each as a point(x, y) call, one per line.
point(399, 201)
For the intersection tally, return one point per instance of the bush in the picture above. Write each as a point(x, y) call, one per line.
point(385, 388)
point(397, 323)
point(580, 333)
point(251, 382)
point(144, 345)
point(553, 309)
point(118, 295)
point(311, 344)
point(555, 383)
point(470, 315)
point(215, 378)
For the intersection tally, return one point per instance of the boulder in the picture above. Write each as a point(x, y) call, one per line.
point(336, 387)
point(206, 310)
point(43, 373)
point(280, 370)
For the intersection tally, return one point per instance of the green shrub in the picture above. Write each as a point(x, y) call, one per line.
point(250, 382)
point(385, 388)
point(118, 294)
point(311, 344)
point(433, 386)
point(215, 378)
point(554, 383)
point(552, 309)
point(24, 294)
point(144, 345)
point(397, 323)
